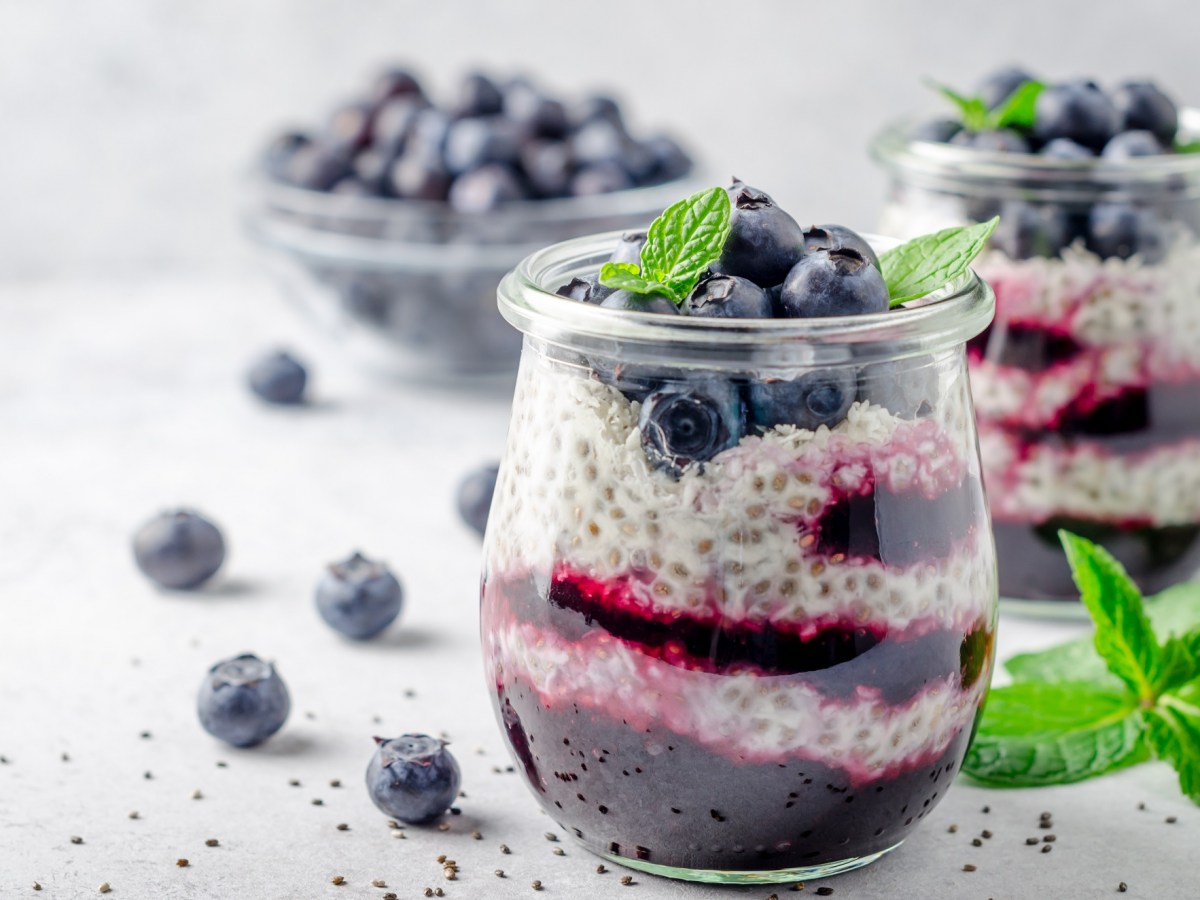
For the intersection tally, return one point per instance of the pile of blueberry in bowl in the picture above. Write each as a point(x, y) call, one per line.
point(393, 222)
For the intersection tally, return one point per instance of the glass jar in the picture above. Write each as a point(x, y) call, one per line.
point(731, 653)
point(1086, 384)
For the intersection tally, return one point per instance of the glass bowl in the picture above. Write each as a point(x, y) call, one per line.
point(409, 286)
point(722, 650)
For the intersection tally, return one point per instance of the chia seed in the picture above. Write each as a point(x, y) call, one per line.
point(536, 885)
point(135, 815)
point(477, 835)
point(294, 782)
point(976, 842)
point(212, 842)
point(1122, 888)
point(335, 783)
point(378, 882)
point(390, 895)
point(600, 870)
point(499, 873)
point(985, 834)
point(551, 836)
point(342, 826)
point(559, 851)
point(626, 880)
point(197, 795)
point(1032, 841)
point(504, 849)
point(182, 863)
point(104, 887)
point(76, 839)
point(824, 891)
point(1046, 848)
point(953, 829)
point(1171, 820)
point(968, 868)
point(337, 879)
point(317, 801)
point(1049, 839)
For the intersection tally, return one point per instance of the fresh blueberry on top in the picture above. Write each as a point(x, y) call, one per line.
point(1002, 140)
point(474, 499)
point(1120, 230)
point(814, 399)
point(1065, 148)
point(999, 86)
point(478, 96)
point(278, 378)
point(729, 297)
point(838, 237)
point(1078, 110)
point(833, 283)
point(629, 248)
point(243, 701)
point(1141, 105)
point(486, 188)
point(936, 131)
point(587, 289)
point(179, 550)
point(764, 241)
point(651, 303)
point(359, 597)
point(690, 422)
point(413, 778)
point(908, 388)
point(1130, 144)
point(1026, 230)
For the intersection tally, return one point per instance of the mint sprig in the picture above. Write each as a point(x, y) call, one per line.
point(927, 263)
point(1078, 711)
point(1017, 111)
point(680, 246)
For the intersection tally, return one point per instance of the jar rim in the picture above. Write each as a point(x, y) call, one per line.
point(948, 317)
point(971, 171)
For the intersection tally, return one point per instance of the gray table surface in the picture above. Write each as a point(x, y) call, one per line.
point(120, 398)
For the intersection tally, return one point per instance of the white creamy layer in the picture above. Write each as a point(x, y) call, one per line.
point(577, 488)
point(1156, 487)
point(743, 717)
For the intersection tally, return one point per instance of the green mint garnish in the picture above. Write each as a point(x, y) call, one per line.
point(927, 263)
point(1015, 112)
point(680, 245)
point(1187, 147)
point(1076, 711)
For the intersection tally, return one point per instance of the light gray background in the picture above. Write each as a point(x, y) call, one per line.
point(125, 122)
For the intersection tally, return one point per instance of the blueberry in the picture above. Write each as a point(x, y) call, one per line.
point(1078, 110)
point(1065, 148)
point(650, 303)
point(278, 155)
point(485, 189)
point(601, 178)
point(764, 242)
point(395, 82)
point(833, 283)
point(1131, 144)
point(353, 186)
point(316, 166)
point(814, 399)
point(935, 131)
point(906, 387)
point(243, 701)
point(629, 248)
point(729, 297)
point(1119, 230)
point(600, 141)
point(999, 86)
point(527, 106)
point(690, 422)
point(474, 497)
point(670, 160)
point(594, 108)
point(358, 597)
point(1003, 140)
point(413, 778)
point(427, 134)
point(394, 123)
point(471, 143)
point(371, 168)
point(838, 237)
point(587, 289)
point(278, 378)
point(419, 174)
point(1141, 105)
point(478, 96)
point(179, 549)
point(1027, 231)
point(548, 166)
point(349, 128)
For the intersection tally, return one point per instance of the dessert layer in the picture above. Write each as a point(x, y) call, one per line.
point(1035, 481)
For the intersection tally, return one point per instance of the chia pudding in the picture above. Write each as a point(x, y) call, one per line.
point(764, 662)
point(1085, 384)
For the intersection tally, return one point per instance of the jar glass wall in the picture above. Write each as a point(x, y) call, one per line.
point(1086, 384)
point(726, 652)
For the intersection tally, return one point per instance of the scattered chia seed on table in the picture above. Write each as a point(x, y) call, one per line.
point(1046, 848)
point(342, 826)
point(378, 882)
point(76, 839)
point(824, 891)
point(1050, 839)
point(600, 870)
point(504, 849)
point(1171, 820)
point(1122, 888)
point(976, 842)
point(212, 842)
point(337, 879)
point(953, 829)
point(182, 863)
point(968, 868)
point(985, 834)
point(536, 885)
point(104, 887)
point(390, 895)
point(559, 851)
point(335, 783)
point(627, 880)
point(1032, 841)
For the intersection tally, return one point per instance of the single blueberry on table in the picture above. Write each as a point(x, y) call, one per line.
point(1065, 148)
point(278, 378)
point(838, 237)
point(651, 303)
point(629, 248)
point(833, 283)
point(908, 388)
point(243, 701)
point(1027, 231)
point(1000, 85)
point(690, 422)
point(822, 397)
point(764, 241)
point(179, 550)
point(1120, 230)
point(1132, 144)
point(413, 778)
point(474, 499)
point(359, 597)
point(587, 289)
point(1141, 105)
point(935, 131)
point(729, 297)
point(485, 189)
point(1078, 110)
point(1002, 140)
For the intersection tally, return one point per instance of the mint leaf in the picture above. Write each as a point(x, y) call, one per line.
point(623, 277)
point(685, 240)
point(1180, 662)
point(1018, 111)
point(1037, 734)
point(1173, 732)
point(971, 110)
point(927, 263)
point(1124, 637)
point(1187, 147)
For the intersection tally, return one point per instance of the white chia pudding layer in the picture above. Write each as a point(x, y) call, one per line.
point(733, 539)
